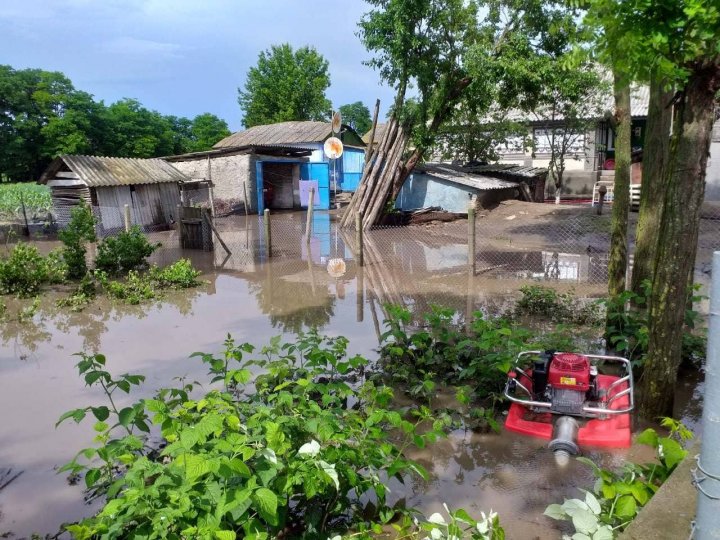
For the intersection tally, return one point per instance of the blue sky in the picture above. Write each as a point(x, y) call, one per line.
point(183, 57)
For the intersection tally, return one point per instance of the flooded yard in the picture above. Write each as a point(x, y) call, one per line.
point(254, 298)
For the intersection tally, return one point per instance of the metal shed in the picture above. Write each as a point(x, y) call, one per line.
point(150, 187)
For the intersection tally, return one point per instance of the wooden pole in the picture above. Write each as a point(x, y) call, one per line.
point(371, 144)
point(268, 238)
point(127, 217)
point(246, 198)
point(359, 238)
point(308, 224)
point(26, 229)
point(471, 241)
point(208, 220)
point(360, 295)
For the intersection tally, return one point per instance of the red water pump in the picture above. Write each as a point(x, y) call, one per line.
point(593, 407)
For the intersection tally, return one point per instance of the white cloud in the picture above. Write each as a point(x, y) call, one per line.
point(141, 47)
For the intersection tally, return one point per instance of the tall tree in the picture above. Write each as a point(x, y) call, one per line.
point(652, 194)
point(680, 41)
point(134, 131)
point(618, 260)
point(357, 116)
point(286, 85)
point(207, 129)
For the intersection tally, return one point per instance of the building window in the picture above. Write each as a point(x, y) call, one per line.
point(543, 138)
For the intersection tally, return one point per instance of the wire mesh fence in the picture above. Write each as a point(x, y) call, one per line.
point(516, 243)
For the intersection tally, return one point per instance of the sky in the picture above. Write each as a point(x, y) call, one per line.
point(184, 57)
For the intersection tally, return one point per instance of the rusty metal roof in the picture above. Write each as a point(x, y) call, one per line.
point(97, 171)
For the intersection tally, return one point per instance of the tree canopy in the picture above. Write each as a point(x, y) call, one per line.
point(286, 85)
point(42, 116)
point(357, 116)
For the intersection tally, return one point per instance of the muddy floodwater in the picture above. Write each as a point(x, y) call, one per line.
point(253, 299)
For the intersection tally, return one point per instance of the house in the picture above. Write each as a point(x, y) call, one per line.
point(150, 187)
point(712, 178)
point(454, 189)
point(590, 156)
point(266, 166)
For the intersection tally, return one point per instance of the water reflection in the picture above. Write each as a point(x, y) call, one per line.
point(253, 298)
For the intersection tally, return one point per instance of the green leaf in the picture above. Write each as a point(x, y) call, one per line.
point(101, 413)
point(626, 507)
point(225, 535)
point(648, 437)
point(603, 533)
point(75, 414)
point(266, 505)
point(640, 493)
point(592, 503)
point(555, 511)
point(195, 466)
point(311, 449)
point(126, 416)
point(331, 472)
point(671, 451)
point(585, 521)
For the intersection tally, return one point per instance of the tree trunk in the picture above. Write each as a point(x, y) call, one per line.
point(617, 265)
point(652, 194)
point(685, 186)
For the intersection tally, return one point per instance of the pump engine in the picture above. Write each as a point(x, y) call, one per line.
point(566, 380)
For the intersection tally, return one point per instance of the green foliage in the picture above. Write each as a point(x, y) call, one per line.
point(621, 494)
point(126, 251)
point(179, 275)
point(458, 525)
point(627, 326)
point(285, 446)
point(286, 85)
point(140, 287)
point(81, 297)
point(78, 232)
point(357, 116)
point(36, 198)
point(546, 302)
point(23, 272)
point(443, 351)
point(44, 116)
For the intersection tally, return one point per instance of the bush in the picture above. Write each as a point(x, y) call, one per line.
point(292, 452)
point(23, 272)
point(546, 302)
point(179, 275)
point(78, 232)
point(127, 251)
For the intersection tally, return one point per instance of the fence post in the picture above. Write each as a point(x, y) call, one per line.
point(127, 217)
point(268, 237)
point(360, 295)
point(359, 239)
point(707, 523)
point(471, 240)
point(308, 225)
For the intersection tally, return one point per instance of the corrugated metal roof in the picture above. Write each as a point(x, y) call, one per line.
point(96, 171)
point(278, 134)
point(379, 131)
point(476, 181)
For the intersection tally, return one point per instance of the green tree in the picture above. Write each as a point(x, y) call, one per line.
point(679, 42)
point(286, 85)
point(207, 129)
point(134, 131)
point(357, 116)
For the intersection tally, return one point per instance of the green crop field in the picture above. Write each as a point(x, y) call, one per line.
point(37, 200)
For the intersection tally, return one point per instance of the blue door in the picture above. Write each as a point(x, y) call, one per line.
point(321, 173)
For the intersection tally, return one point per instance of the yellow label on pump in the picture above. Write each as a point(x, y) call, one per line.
point(568, 380)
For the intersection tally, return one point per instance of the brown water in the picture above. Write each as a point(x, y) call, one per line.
point(254, 300)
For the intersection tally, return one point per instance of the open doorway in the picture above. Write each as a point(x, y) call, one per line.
point(278, 185)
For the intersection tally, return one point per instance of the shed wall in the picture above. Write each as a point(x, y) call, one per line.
point(712, 177)
point(228, 174)
point(422, 191)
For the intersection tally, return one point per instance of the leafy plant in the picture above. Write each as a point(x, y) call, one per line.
point(82, 296)
point(179, 275)
point(621, 494)
point(23, 272)
point(126, 251)
point(537, 300)
point(284, 447)
point(79, 231)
